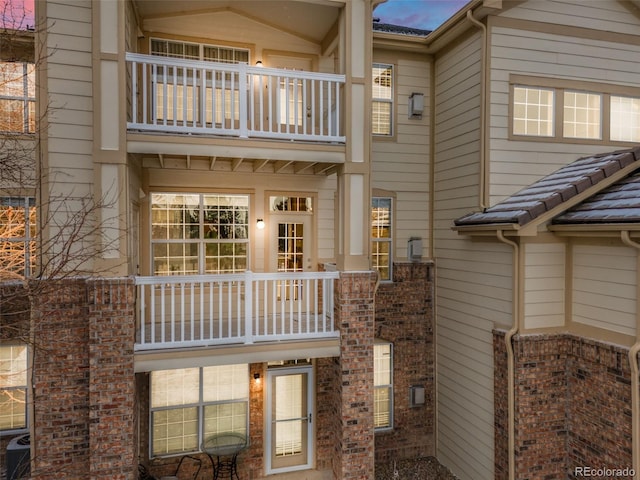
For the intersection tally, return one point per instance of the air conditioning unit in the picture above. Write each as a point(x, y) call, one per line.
point(19, 458)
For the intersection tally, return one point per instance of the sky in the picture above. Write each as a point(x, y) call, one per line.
point(425, 14)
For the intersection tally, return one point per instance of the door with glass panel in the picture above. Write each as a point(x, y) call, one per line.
point(289, 419)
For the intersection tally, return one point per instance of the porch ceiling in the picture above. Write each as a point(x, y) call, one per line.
point(240, 156)
point(309, 20)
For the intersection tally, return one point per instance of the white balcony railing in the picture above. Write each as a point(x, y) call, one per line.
point(197, 97)
point(242, 308)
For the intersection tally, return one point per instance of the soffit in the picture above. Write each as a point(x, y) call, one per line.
point(307, 20)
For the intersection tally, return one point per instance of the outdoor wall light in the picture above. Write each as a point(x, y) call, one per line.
point(259, 63)
point(416, 105)
point(260, 224)
point(256, 377)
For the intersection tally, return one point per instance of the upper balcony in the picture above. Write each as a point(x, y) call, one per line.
point(220, 84)
point(171, 95)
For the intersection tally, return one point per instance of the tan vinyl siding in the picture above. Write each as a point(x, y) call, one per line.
point(544, 287)
point(474, 279)
point(401, 164)
point(516, 164)
point(605, 16)
point(604, 287)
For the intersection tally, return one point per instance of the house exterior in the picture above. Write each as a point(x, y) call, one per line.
point(278, 230)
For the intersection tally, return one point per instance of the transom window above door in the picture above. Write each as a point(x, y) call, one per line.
point(199, 233)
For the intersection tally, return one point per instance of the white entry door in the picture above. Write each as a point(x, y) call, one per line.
point(289, 419)
point(291, 243)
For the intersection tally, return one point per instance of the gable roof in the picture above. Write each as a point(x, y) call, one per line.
point(576, 183)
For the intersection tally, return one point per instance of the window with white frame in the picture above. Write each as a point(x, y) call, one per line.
point(556, 109)
point(182, 105)
point(190, 405)
point(17, 97)
point(17, 236)
point(382, 105)
point(13, 387)
point(381, 236)
point(195, 233)
point(383, 385)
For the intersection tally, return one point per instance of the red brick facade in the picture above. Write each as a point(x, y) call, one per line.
point(572, 406)
point(83, 388)
point(404, 316)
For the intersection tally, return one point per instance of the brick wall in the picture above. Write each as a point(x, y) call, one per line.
point(354, 304)
point(83, 389)
point(573, 406)
point(404, 316)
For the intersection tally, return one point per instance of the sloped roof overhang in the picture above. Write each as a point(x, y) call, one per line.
point(532, 209)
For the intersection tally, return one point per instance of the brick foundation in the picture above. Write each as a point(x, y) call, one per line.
point(572, 406)
point(404, 316)
point(83, 390)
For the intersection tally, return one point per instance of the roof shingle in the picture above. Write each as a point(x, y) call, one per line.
point(553, 190)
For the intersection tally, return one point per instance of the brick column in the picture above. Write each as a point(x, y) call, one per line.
point(355, 316)
point(83, 382)
point(60, 382)
point(112, 438)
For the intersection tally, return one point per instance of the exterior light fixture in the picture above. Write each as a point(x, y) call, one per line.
point(259, 63)
point(416, 105)
point(256, 377)
point(260, 224)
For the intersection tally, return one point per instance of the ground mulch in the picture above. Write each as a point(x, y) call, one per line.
point(425, 468)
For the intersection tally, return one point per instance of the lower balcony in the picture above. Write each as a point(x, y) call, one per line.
point(178, 312)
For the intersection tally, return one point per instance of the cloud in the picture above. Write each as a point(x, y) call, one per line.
point(426, 14)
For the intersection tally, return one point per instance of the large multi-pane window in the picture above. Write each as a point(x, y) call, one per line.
point(17, 97)
point(381, 238)
point(199, 233)
point(17, 236)
point(190, 405)
point(556, 109)
point(182, 105)
point(13, 387)
point(383, 385)
point(382, 105)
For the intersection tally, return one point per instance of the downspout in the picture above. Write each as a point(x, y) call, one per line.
point(482, 200)
point(510, 354)
point(633, 362)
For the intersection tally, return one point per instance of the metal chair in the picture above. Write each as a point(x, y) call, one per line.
point(176, 476)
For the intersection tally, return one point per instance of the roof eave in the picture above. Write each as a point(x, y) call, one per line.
point(593, 229)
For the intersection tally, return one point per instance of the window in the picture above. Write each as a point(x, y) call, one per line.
point(556, 109)
point(381, 239)
point(383, 385)
point(191, 404)
point(182, 105)
point(382, 106)
point(625, 119)
point(13, 387)
point(17, 236)
point(532, 111)
point(199, 233)
point(17, 97)
point(582, 115)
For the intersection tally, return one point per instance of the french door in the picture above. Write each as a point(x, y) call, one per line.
point(289, 419)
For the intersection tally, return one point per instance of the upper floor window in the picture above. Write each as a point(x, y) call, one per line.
point(189, 405)
point(17, 236)
point(381, 239)
point(556, 109)
point(198, 51)
point(199, 233)
point(17, 97)
point(382, 105)
point(13, 387)
point(382, 385)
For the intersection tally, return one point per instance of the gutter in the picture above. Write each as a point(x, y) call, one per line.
point(633, 362)
point(510, 354)
point(483, 203)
